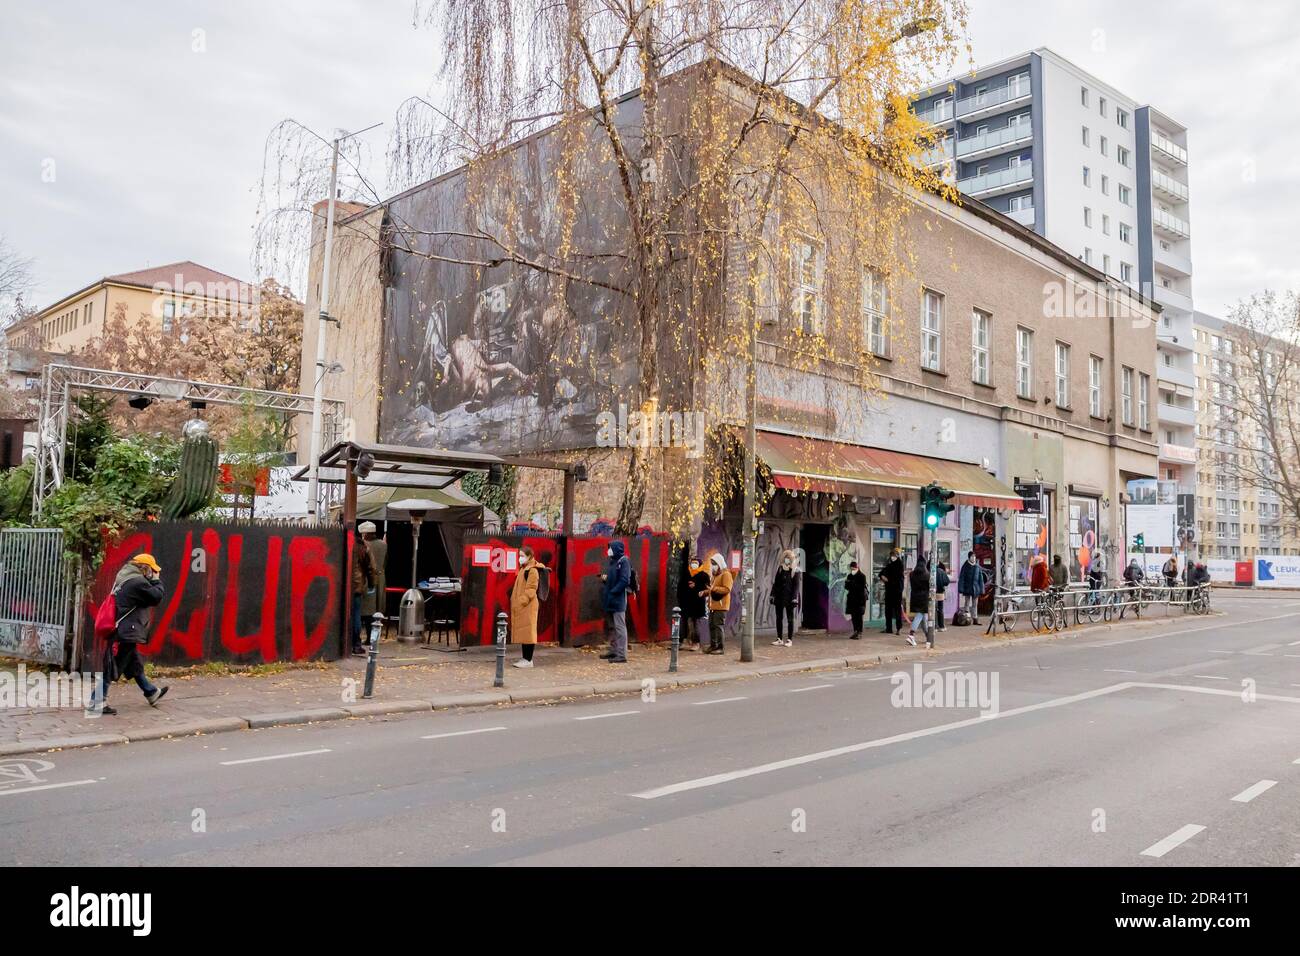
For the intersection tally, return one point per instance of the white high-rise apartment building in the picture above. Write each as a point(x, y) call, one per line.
point(1094, 171)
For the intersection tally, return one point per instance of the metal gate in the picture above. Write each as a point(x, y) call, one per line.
point(34, 583)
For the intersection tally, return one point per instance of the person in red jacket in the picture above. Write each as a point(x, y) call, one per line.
point(1039, 577)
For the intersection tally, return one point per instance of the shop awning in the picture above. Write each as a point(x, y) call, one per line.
point(813, 464)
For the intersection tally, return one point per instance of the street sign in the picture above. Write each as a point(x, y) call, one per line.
point(1032, 494)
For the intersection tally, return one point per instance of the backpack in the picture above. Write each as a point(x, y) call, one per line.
point(543, 583)
point(106, 619)
point(633, 585)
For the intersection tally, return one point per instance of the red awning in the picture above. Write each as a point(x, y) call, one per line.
point(813, 464)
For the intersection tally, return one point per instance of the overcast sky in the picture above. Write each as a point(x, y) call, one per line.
point(153, 133)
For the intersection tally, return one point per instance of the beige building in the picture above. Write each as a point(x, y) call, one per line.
point(1234, 520)
point(159, 295)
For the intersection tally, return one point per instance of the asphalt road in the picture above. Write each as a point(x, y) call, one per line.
point(1136, 747)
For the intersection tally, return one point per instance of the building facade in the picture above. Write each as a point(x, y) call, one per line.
point(999, 365)
point(1236, 521)
point(1101, 175)
point(161, 296)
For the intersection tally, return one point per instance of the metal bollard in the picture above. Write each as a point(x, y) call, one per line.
point(676, 642)
point(372, 659)
point(500, 680)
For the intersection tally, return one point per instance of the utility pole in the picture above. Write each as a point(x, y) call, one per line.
point(323, 320)
point(749, 520)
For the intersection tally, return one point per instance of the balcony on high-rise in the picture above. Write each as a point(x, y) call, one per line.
point(1168, 187)
point(1014, 93)
point(999, 181)
point(1013, 134)
point(1168, 224)
point(1164, 146)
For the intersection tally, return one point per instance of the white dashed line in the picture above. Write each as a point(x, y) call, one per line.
point(1209, 677)
point(800, 690)
point(1175, 839)
point(57, 786)
point(720, 700)
point(617, 713)
point(1116, 670)
point(1254, 790)
point(298, 753)
point(461, 733)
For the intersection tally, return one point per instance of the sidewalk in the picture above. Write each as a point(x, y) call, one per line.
point(414, 678)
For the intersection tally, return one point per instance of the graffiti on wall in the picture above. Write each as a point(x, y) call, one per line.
point(485, 590)
point(242, 594)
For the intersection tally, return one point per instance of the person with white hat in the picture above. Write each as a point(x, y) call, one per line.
point(376, 599)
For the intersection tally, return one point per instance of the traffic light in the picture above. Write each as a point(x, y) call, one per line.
point(1139, 542)
point(934, 504)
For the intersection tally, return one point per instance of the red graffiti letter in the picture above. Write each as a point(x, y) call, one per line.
point(309, 561)
point(264, 639)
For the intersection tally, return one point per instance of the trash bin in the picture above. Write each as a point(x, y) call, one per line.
point(410, 625)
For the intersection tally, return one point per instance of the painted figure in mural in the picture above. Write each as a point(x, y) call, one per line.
point(919, 580)
point(613, 599)
point(524, 604)
point(377, 597)
point(855, 598)
point(363, 580)
point(692, 598)
point(719, 602)
point(787, 586)
point(971, 583)
point(892, 576)
point(941, 582)
point(137, 590)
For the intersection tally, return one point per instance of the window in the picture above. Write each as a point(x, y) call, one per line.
point(1125, 195)
point(1087, 217)
point(169, 316)
point(1121, 117)
point(1085, 137)
point(979, 346)
point(1144, 393)
point(1105, 224)
point(1125, 272)
point(1062, 375)
point(875, 311)
point(1105, 263)
point(1094, 386)
point(1017, 203)
point(1083, 95)
point(1101, 105)
point(1087, 255)
point(1105, 185)
point(1121, 154)
point(1018, 86)
point(1126, 394)
point(1125, 232)
point(1087, 176)
point(932, 330)
point(808, 286)
point(1024, 363)
point(1105, 148)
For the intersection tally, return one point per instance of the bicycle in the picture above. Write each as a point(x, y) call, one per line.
point(1048, 613)
point(1006, 617)
point(1093, 606)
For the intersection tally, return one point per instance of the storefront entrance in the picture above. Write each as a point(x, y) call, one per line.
point(816, 576)
point(883, 541)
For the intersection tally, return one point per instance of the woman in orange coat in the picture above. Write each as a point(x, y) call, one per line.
point(524, 604)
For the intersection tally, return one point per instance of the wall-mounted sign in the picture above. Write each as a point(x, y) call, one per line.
point(1032, 493)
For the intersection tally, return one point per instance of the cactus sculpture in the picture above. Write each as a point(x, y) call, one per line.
point(196, 480)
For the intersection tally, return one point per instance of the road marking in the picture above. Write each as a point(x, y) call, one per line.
point(1294, 644)
point(935, 670)
point(1174, 840)
point(1254, 790)
point(1223, 652)
point(1214, 691)
point(461, 733)
point(56, 786)
point(1291, 655)
point(617, 713)
point(1209, 677)
point(297, 753)
point(800, 690)
point(1117, 670)
point(883, 677)
point(719, 778)
point(720, 700)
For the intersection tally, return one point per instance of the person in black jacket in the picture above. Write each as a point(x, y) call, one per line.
point(941, 581)
point(855, 598)
point(692, 598)
point(786, 589)
point(137, 591)
point(919, 579)
point(892, 575)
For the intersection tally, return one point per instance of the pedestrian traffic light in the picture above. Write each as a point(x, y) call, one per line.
point(934, 504)
point(1139, 542)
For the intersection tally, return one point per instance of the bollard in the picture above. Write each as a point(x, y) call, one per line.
point(676, 642)
point(372, 659)
point(500, 680)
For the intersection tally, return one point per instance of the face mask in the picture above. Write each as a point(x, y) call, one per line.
point(609, 552)
point(786, 562)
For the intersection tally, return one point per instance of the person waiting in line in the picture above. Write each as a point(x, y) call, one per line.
point(1170, 572)
point(1040, 578)
point(695, 604)
point(719, 602)
point(363, 580)
point(855, 598)
point(919, 580)
point(785, 597)
point(971, 583)
point(941, 581)
point(892, 575)
point(524, 605)
point(615, 580)
point(1060, 577)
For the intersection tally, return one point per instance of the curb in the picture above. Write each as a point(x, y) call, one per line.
point(534, 695)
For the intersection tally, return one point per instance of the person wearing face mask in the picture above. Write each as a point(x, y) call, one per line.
point(970, 585)
point(785, 598)
point(613, 599)
point(855, 598)
point(693, 599)
point(719, 602)
point(892, 575)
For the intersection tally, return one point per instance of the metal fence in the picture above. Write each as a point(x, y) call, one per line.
point(34, 588)
point(1057, 609)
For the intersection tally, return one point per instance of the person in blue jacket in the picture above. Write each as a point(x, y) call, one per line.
point(613, 599)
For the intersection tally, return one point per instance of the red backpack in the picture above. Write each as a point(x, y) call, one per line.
point(106, 619)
